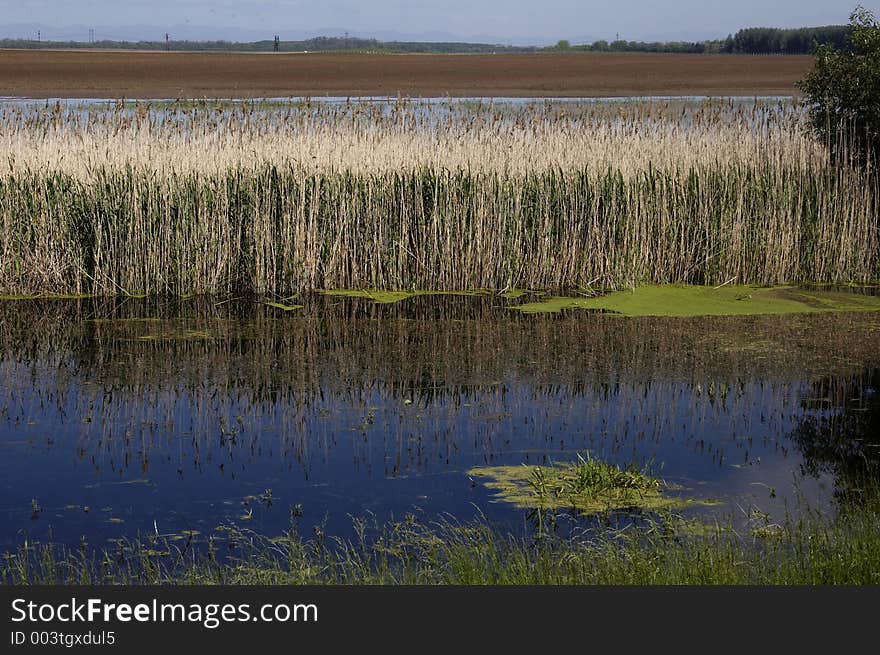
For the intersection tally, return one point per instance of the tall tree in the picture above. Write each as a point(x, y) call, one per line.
point(844, 93)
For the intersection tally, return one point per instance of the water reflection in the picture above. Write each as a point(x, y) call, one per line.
point(841, 436)
point(138, 415)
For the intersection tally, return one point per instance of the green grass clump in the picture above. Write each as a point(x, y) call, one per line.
point(589, 485)
point(814, 550)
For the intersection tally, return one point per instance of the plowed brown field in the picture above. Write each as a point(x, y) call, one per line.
point(113, 74)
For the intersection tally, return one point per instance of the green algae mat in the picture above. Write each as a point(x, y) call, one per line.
point(384, 297)
point(669, 300)
point(652, 300)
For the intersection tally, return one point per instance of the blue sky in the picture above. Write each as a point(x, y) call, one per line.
point(513, 21)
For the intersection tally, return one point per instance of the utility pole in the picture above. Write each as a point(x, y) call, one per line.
point(167, 41)
point(38, 36)
point(277, 43)
point(91, 35)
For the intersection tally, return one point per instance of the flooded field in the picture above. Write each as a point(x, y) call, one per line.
point(126, 417)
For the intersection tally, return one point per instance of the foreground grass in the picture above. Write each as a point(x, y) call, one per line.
point(666, 551)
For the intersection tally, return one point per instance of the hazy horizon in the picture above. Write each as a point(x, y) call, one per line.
point(516, 22)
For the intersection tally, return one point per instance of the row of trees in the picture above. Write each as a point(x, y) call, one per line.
point(763, 40)
point(755, 40)
point(686, 47)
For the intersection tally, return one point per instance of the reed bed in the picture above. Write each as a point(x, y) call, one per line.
point(212, 198)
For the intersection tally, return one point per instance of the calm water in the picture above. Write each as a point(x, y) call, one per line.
point(128, 416)
point(411, 113)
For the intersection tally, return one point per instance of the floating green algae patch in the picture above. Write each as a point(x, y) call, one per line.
point(385, 297)
point(282, 306)
point(513, 294)
point(670, 300)
point(374, 295)
point(588, 485)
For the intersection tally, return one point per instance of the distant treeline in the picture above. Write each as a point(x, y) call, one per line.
point(753, 40)
point(760, 40)
point(318, 44)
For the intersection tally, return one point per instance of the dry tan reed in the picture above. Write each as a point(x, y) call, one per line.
point(211, 138)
